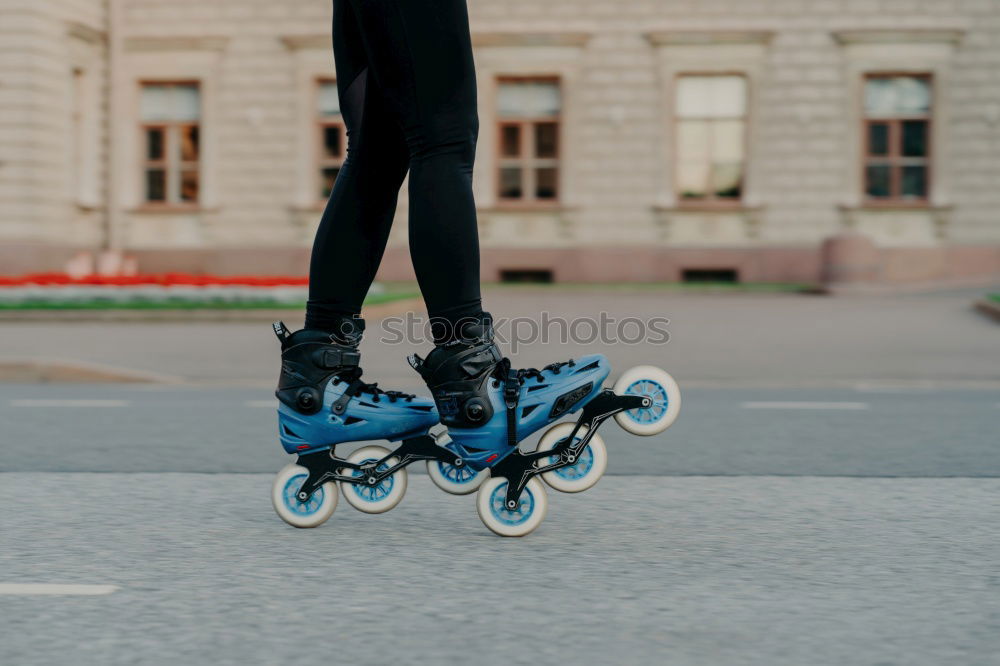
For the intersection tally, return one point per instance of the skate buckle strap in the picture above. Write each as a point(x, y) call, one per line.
point(339, 405)
point(338, 358)
point(511, 389)
point(281, 330)
point(511, 394)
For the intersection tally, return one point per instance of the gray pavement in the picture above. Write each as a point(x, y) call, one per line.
point(828, 496)
point(740, 431)
point(637, 570)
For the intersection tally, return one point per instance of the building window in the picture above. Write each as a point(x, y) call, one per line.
point(332, 136)
point(528, 123)
point(897, 137)
point(170, 114)
point(711, 122)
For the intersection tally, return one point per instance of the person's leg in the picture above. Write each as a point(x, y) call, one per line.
point(352, 234)
point(420, 55)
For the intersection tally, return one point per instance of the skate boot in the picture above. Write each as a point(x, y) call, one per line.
point(490, 407)
point(323, 402)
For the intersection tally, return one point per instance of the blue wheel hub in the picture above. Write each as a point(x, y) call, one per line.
point(647, 388)
point(460, 475)
point(377, 492)
point(525, 506)
point(290, 495)
point(584, 463)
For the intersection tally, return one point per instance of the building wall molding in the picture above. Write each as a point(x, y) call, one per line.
point(306, 42)
point(85, 33)
point(918, 52)
point(901, 36)
point(562, 58)
point(205, 43)
point(694, 37)
point(300, 42)
point(694, 52)
point(520, 39)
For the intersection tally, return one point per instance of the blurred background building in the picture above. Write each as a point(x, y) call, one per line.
point(644, 140)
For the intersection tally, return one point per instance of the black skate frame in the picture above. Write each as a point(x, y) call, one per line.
point(518, 467)
point(325, 466)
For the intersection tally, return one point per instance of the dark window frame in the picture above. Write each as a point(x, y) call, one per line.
point(712, 200)
point(171, 162)
point(323, 160)
point(894, 158)
point(526, 160)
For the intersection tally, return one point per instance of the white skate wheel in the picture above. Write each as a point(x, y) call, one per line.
point(491, 505)
point(455, 480)
point(284, 496)
point(580, 475)
point(379, 498)
point(649, 382)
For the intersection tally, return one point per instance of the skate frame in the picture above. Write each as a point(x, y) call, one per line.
point(519, 467)
point(325, 466)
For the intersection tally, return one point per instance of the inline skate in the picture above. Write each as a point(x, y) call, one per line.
point(323, 403)
point(489, 408)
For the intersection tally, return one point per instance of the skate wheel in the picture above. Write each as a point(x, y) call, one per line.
point(316, 511)
point(379, 498)
point(455, 480)
point(491, 505)
point(580, 475)
point(650, 382)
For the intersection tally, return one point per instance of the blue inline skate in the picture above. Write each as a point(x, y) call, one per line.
point(323, 403)
point(489, 408)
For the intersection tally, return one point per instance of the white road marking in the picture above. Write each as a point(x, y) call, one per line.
point(806, 405)
point(925, 387)
point(41, 402)
point(52, 589)
point(270, 404)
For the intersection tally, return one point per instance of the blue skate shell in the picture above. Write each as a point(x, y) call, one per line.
point(485, 446)
point(364, 419)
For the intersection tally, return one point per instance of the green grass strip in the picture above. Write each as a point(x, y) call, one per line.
point(183, 304)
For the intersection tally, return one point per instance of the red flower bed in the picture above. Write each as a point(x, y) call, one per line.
point(164, 279)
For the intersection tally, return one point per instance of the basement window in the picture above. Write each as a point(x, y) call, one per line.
point(710, 275)
point(525, 276)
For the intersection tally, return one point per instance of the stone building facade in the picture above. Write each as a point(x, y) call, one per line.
point(646, 140)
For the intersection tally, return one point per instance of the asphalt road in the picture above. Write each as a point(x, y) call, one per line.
point(829, 496)
point(762, 431)
point(638, 570)
point(657, 563)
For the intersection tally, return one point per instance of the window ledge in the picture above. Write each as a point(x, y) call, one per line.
point(697, 37)
point(317, 207)
point(170, 210)
point(707, 207)
point(522, 39)
point(879, 206)
point(528, 208)
point(899, 36)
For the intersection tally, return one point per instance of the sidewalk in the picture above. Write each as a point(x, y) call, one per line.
point(772, 340)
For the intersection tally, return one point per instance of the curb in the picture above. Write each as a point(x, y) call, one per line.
point(378, 311)
point(989, 308)
point(56, 371)
point(62, 371)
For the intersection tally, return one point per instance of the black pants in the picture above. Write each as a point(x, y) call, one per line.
point(407, 87)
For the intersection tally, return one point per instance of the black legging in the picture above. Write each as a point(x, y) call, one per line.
point(407, 87)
